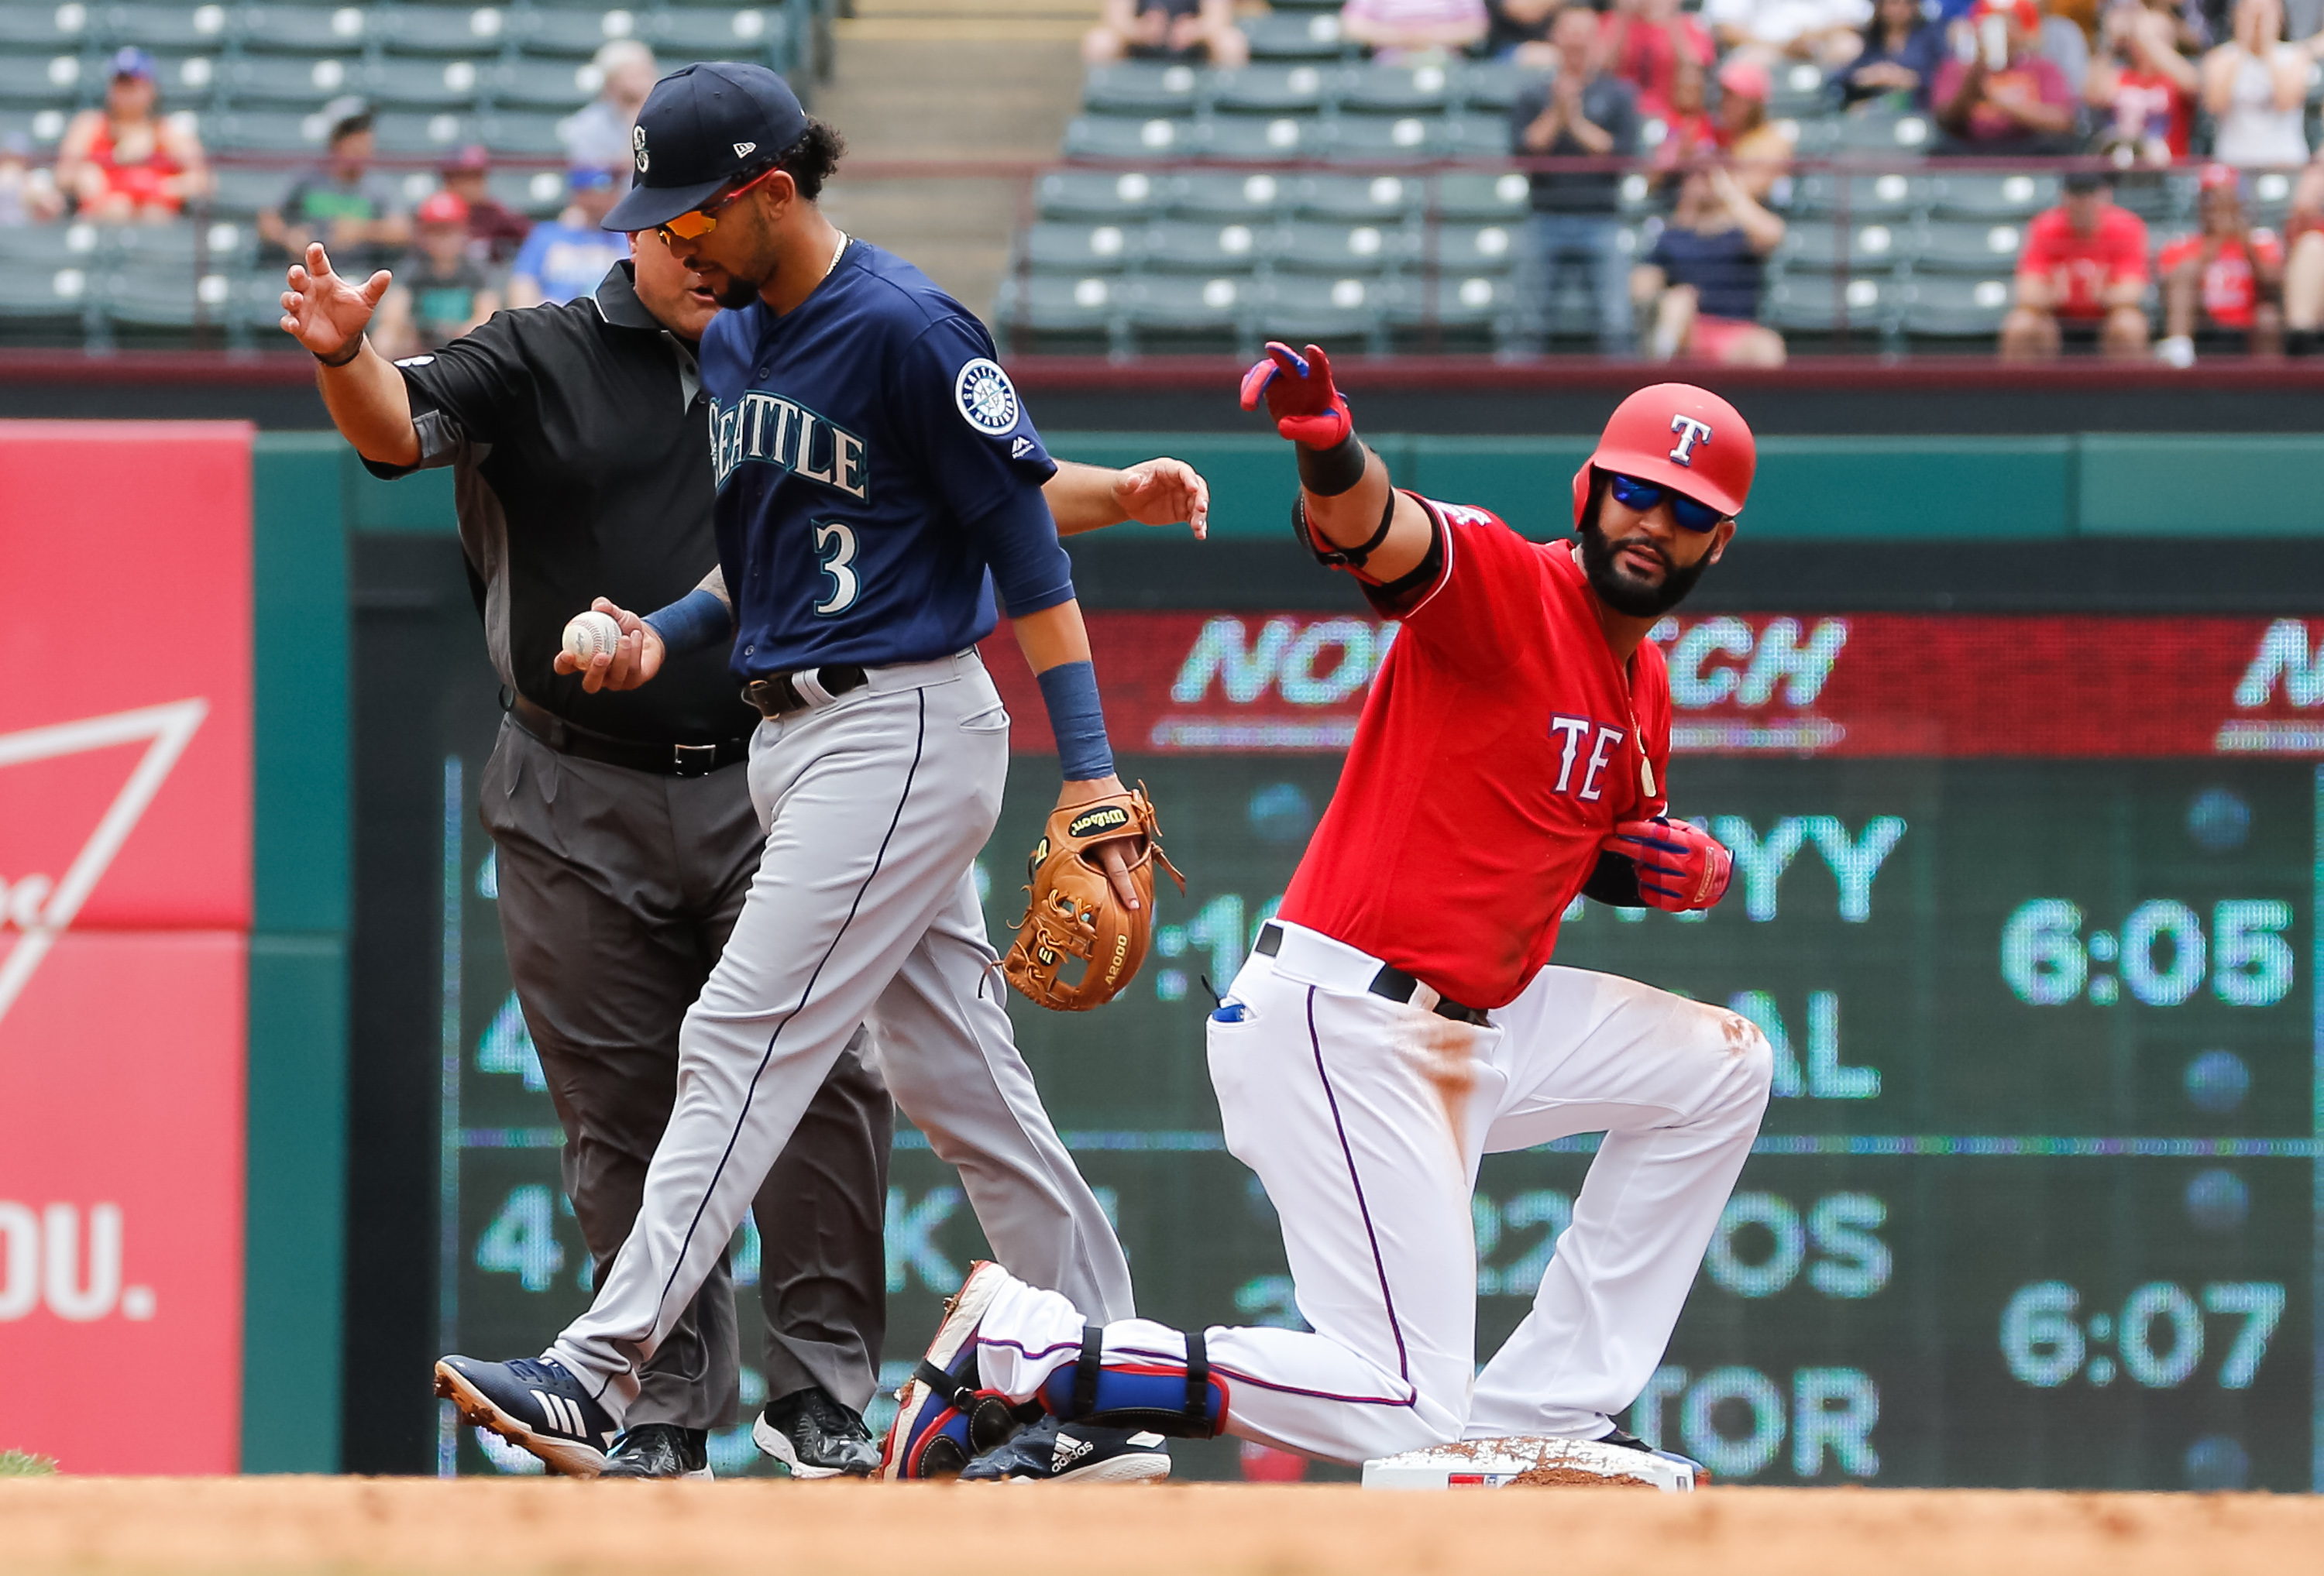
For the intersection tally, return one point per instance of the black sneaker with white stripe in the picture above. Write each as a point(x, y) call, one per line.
point(535, 1404)
point(1049, 1452)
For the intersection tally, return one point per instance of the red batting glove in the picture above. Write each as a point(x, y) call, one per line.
point(1681, 867)
point(1300, 397)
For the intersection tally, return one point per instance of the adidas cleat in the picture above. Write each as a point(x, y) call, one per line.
point(1049, 1452)
point(534, 1404)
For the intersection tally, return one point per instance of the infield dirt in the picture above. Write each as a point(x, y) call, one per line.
point(267, 1526)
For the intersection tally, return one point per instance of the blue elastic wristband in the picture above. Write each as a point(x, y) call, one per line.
point(1070, 692)
point(694, 622)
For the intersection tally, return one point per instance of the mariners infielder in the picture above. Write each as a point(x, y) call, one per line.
point(1395, 1022)
point(878, 484)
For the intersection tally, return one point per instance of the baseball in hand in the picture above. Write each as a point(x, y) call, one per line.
point(592, 634)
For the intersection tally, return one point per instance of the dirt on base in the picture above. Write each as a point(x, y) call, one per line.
point(1573, 1478)
point(270, 1525)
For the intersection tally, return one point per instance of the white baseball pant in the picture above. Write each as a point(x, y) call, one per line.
point(1366, 1119)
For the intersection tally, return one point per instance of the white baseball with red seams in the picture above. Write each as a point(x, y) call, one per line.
point(1501, 745)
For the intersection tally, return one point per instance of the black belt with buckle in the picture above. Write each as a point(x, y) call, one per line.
point(1390, 981)
point(665, 759)
point(777, 695)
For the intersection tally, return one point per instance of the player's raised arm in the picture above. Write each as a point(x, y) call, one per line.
point(1348, 515)
point(1156, 492)
point(326, 312)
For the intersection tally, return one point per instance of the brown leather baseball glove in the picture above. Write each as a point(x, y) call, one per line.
point(1070, 910)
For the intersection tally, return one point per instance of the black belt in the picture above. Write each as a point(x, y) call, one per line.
point(1390, 981)
point(666, 760)
point(779, 696)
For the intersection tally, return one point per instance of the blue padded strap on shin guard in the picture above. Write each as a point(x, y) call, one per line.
point(1184, 1401)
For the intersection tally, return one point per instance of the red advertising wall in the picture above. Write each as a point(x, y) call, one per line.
point(1860, 684)
point(124, 913)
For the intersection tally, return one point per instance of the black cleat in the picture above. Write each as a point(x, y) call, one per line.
point(1629, 1441)
point(660, 1450)
point(816, 1437)
point(1050, 1451)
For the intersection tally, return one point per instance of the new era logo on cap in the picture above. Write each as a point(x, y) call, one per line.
point(708, 125)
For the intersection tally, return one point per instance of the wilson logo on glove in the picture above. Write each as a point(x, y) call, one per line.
point(1072, 912)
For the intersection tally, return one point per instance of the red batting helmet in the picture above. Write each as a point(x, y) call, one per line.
point(1678, 436)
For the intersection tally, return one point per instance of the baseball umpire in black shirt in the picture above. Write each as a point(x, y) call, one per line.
point(626, 835)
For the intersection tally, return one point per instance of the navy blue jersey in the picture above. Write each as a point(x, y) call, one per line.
point(878, 478)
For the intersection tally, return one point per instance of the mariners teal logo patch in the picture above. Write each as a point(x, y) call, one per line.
point(986, 397)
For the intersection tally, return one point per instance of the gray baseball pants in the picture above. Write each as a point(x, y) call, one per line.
point(864, 907)
point(618, 889)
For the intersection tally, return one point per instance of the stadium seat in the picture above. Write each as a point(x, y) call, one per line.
point(1799, 89)
point(1204, 246)
point(1228, 196)
point(1367, 198)
point(1873, 248)
point(415, 133)
point(1251, 138)
point(1479, 312)
point(43, 125)
point(1959, 246)
point(1141, 87)
point(1821, 303)
point(1334, 311)
point(1186, 311)
point(263, 130)
point(188, 81)
point(570, 30)
point(1058, 312)
point(33, 247)
point(2267, 197)
point(1879, 136)
point(750, 34)
point(1312, 246)
point(1106, 136)
point(1992, 197)
point(45, 29)
point(1398, 91)
point(164, 27)
point(1491, 87)
point(1271, 89)
point(1378, 139)
point(511, 133)
point(1295, 35)
point(1469, 194)
point(538, 192)
point(1891, 198)
point(1090, 194)
point(168, 299)
point(1471, 249)
point(541, 84)
point(265, 80)
point(45, 302)
point(306, 30)
point(30, 79)
point(1070, 248)
point(443, 30)
point(427, 84)
point(2155, 196)
point(1941, 307)
point(1810, 138)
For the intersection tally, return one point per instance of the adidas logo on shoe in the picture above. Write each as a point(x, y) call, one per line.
point(1068, 1450)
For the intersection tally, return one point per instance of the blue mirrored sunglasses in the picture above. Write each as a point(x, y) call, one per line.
point(1633, 494)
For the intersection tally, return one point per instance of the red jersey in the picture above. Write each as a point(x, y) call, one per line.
point(1500, 743)
point(2230, 288)
point(2148, 106)
point(2078, 266)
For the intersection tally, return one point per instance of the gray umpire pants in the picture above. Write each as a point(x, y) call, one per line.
point(618, 889)
point(864, 907)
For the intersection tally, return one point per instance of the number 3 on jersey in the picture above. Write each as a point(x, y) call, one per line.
point(835, 545)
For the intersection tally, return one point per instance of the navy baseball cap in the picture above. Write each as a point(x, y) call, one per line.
point(702, 128)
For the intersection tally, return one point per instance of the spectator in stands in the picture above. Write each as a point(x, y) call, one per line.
point(2225, 281)
point(2255, 86)
point(1688, 129)
point(494, 230)
point(441, 290)
point(1645, 42)
point(342, 202)
point(1898, 60)
point(2143, 84)
point(598, 136)
point(1396, 31)
point(1517, 30)
point(1757, 147)
point(1700, 286)
point(2085, 265)
point(1166, 30)
point(2007, 100)
point(1583, 112)
point(565, 256)
point(123, 163)
point(1826, 31)
point(27, 196)
point(2303, 262)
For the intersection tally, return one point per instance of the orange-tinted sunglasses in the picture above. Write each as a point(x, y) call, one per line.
point(696, 223)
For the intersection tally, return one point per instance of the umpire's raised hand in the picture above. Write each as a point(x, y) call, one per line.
point(324, 311)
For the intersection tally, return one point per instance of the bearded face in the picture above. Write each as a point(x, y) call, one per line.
point(1623, 582)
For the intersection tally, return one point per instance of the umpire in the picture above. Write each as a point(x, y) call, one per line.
point(626, 840)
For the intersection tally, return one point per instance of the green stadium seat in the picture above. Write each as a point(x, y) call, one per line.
point(1188, 311)
point(1295, 35)
point(31, 79)
point(1943, 306)
point(1890, 198)
point(1800, 88)
point(263, 130)
point(1810, 137)
point(1204, 246)
point(39, 247)
point(1046, 308)
point(1272, 90)
point(306, 30)
point(1069, 248)
point(265, 80)
point(2158, 197)
point(1476, 135)
point(407, 84)
point(2267, 197)
point(415, 133)
point(1820, 303)
point(169, 299)
point(1967, 246)
point(1260, 139)
point(1879, 136)
point(1140, 87)
point(1398, 91)
point(570, 30)
point(1338, 312)
point(1230, 196)
point(2016, 195)
point(1474, 313)
point(1470, 194)
point(512, 134)
point(1106, 136)
point(46, 29)
point(1093, 194)
point(1491, 87)
point(189, 81)
point(46, 299)
point(444, 30)
point(1874, 248)
point(541, 84)
point(1360, 199)
point(191, 26)
point(241, 190)
point(538, 192)
point(750, 34)
point(1380, 139)
point(1468, 249)
point(1310, 246)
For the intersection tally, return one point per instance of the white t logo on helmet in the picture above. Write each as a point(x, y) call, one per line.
point(1690, 433)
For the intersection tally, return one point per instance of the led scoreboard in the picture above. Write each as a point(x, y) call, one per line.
point(2026, 907)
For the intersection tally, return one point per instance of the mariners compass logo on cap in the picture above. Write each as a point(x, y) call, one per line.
point(711, 127)
point(637, 141)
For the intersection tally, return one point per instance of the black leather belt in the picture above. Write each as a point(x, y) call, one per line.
point(779, 696)
point(665, 759)
point(1390, 981)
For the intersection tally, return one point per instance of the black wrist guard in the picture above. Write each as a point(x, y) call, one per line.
point(1328, 472)
point(353, 349)
point(1614, 882)
point(1332, 557)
